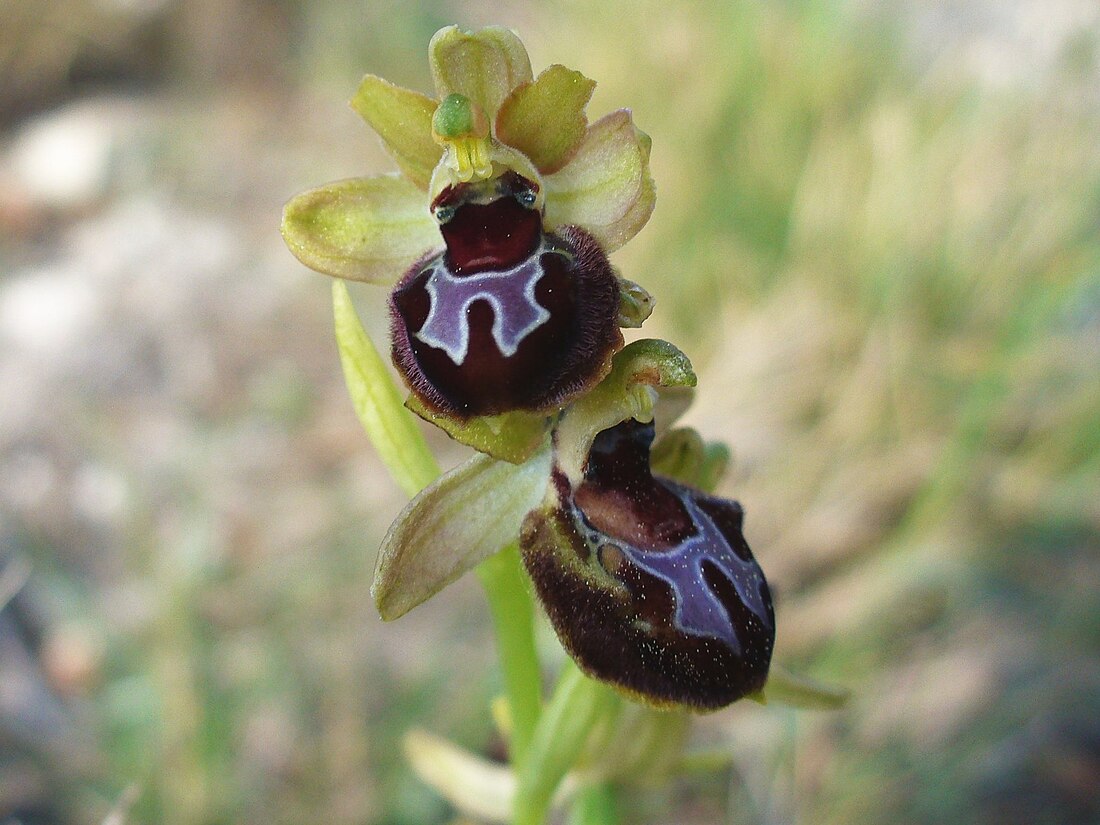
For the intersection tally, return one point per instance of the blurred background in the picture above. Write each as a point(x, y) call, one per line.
point(878, 238)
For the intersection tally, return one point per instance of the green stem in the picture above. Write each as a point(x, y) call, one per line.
point(595, 805)
point(513, 613)
point(402, 447)
point(572, 713)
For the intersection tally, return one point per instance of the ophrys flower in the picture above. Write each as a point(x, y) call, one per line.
point(498, 229)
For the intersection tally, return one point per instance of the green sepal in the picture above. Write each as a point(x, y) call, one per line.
point(511, 436)
point(484, 65)
point(363, 229)
point(462, 518)
point(391, 428)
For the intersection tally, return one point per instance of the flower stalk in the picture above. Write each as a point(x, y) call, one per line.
point(505, 318)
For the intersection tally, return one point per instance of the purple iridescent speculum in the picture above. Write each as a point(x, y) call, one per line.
point(508, 316)
point(649, 583)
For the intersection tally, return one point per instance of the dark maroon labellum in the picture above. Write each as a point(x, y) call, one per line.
point(507, 317)
point(649, 583)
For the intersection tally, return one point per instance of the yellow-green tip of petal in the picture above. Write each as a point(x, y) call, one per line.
point(461, 126)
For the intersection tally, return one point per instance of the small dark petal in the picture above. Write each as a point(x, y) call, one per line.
point(528, 337)
point(650, 584)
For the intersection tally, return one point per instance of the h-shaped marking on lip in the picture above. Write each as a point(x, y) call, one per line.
point(510, 293)
point(699, 612)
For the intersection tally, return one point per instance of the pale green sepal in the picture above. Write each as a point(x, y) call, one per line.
point(363, 229)
point(545, 119)
point(635, 304)
point(786, 688)
point(484, 65)
point(391, 428)
point(630, 224)
point(475, 786)
point(629, 391)
point(606, 187)
point(683, 456)
point(512, 436)
point(463, 517)
point(403, 119)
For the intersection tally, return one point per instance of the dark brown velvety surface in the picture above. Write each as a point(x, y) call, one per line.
point(564, 355)
point(650, 584)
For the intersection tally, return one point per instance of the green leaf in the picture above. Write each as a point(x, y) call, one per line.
point(606, 188)
point(484, 65)
point(403, 119)
point(545, 119)
point(364, 229)
point(465, 516)
point(391, 428)
point(511, 436)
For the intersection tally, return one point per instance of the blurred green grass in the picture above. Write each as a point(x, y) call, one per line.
point(888, 277)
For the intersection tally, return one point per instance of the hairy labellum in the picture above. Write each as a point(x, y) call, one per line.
point(507, 317)
point(649, 583)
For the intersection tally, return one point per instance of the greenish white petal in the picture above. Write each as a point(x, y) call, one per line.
point(403, 119)
point(546, 119)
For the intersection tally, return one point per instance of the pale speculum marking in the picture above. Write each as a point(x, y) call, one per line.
point(699, 612)
point(510, 293)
